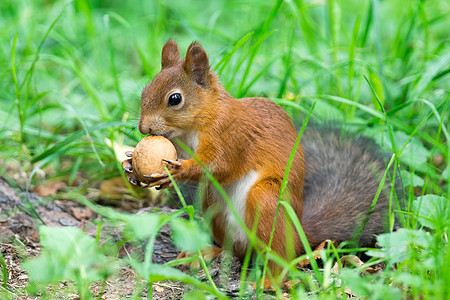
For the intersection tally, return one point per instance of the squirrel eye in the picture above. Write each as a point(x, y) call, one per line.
point(175, 99)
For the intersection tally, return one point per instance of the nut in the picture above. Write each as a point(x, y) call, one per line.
point(149, 154)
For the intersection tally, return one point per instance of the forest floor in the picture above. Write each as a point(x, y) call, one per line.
point(19, 240)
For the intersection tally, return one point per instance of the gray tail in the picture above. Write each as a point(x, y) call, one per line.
point(342, 177)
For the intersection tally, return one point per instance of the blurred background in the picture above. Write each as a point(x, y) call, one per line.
point(71, 75)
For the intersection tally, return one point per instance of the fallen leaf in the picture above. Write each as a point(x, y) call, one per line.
point(335, 269)
point(49, 188)
point(113, 187)
point(81, 213)
point(349, 293)
point(352, 261)
point(290, 284)
point(159, 289)
point(321, 246)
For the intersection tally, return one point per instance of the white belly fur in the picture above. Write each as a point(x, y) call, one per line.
point(237, 192)
point(190, 139)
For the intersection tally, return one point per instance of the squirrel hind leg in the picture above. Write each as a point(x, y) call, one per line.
point(208, 254)
point(261, 206)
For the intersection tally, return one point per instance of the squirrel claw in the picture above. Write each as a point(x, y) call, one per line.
point(128, 169)
point(129, 154)
point(164, 186)
point(173, 162)
point(139, 184)
point(146, 186)
point(132, 181)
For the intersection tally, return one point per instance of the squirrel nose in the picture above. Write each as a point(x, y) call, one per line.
point(144, 129)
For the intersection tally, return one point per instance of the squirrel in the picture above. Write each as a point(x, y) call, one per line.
point(246, 144)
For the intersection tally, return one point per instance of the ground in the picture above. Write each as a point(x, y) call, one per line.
point(19, 240)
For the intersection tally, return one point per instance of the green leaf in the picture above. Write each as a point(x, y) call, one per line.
point(410, 279)
point(414, 153)
point(410, 179)
point(397, 246)
point(187, 235)
point(163, 272)
point(195, 295)
point(368, 287)
point(68, 254)
point(143, 226)
point(51, 273)
point(434, 211)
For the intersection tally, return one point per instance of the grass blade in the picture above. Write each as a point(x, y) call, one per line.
point(61, 146)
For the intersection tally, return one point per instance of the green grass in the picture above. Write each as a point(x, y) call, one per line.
point(71, 74)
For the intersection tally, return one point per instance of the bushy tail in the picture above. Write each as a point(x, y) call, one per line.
point(341, 180)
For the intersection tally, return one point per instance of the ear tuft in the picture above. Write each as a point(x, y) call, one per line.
point(196, 64)
point(170, 54)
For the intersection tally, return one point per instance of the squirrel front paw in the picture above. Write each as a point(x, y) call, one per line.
point(159, 180)
point(128, 169)
point(162, 180)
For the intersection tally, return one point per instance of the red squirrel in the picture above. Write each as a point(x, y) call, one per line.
point(246, 144)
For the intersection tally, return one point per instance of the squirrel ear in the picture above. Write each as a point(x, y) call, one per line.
point(196, 64)
point(170, 54)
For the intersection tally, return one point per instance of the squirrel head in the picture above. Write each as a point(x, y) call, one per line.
point(182, 96)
